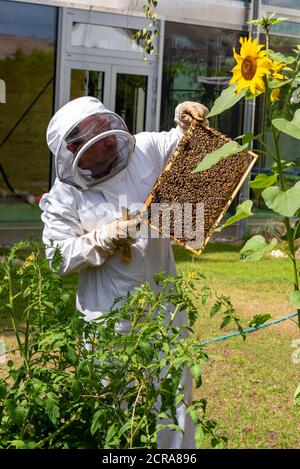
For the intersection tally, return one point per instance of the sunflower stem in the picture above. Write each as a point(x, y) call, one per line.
point(282, 184)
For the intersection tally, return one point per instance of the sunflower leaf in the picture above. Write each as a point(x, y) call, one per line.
point(278, 83)
point(256, 247)
point(230, 148)
point(284, 202)
point(262, 181)
point(242, 211)
point(291, 128)
point(226, 100)
point(287, 59)
point(294, 298)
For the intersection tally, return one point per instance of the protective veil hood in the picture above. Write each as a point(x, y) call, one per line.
point(90, 143)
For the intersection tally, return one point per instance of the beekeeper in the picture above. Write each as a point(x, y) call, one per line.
point(101, 168)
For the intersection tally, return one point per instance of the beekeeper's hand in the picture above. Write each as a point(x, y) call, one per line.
point(187, 111)
point(117, 234)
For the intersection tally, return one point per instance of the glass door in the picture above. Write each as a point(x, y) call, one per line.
point(131, 100)
point(132, 96)
point(126, 90)
point(83, 78)
point(87, 83)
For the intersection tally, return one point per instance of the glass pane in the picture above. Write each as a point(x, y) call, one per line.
point(197, 67)
point(27, 64)
point(104, 37)
point(131, 95)
point(283, 3)
point(87, 83)
point(286, 28)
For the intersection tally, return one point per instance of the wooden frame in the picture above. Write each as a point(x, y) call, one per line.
point(168, 167)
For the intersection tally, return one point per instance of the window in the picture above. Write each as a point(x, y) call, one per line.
point(283, 3)
point(197, 67)
point(27, 65)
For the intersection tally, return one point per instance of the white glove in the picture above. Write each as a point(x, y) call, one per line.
point(117, 234)
point(187, 111)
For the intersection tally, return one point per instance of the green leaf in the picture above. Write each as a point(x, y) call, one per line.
point(96, 422)
point(285, 165)
point(246, 138)
point(230, 148)
point(256, 247)
point(18, 444)
point(215, 309)
point(259, 319)
point(199, 435)
point(291, 128)
point(51, 407)
point(285, 203)
point(226, 100)
point(17, 413)
point(262, 181)
point(196, 373)
point(278, 83)
point(3, 389)
point(243, 210)
point(225, 321)
point(287, 59)
point(179, 398)
point(111, 436)
point(294, 298)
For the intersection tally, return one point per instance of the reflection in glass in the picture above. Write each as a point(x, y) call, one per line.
point(131, 95)
point(104, 37)
point(27, 57)
point(87, 83)
point(283, 3)
point(197, 67)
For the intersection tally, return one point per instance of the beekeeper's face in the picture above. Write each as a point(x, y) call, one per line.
point(101, 155)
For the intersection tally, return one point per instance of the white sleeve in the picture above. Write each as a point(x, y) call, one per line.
point(64, 229)
point(158, 146)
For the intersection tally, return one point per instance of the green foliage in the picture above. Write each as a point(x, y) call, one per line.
point(85, 384)
point(267, 22)
point(146, 36)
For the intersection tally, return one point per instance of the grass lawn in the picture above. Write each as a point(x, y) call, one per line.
point(249, 385)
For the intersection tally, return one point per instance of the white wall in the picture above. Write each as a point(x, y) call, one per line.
point(206, 12)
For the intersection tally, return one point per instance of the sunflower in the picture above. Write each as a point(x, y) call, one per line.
point(275, 69)
point(252, 65)
point(275, 95)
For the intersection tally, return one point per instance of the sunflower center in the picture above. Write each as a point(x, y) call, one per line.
point(248, 68)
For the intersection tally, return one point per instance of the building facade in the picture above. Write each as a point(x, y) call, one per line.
point(52, 51)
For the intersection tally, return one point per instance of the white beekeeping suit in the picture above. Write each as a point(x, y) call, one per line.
point(82, 207)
